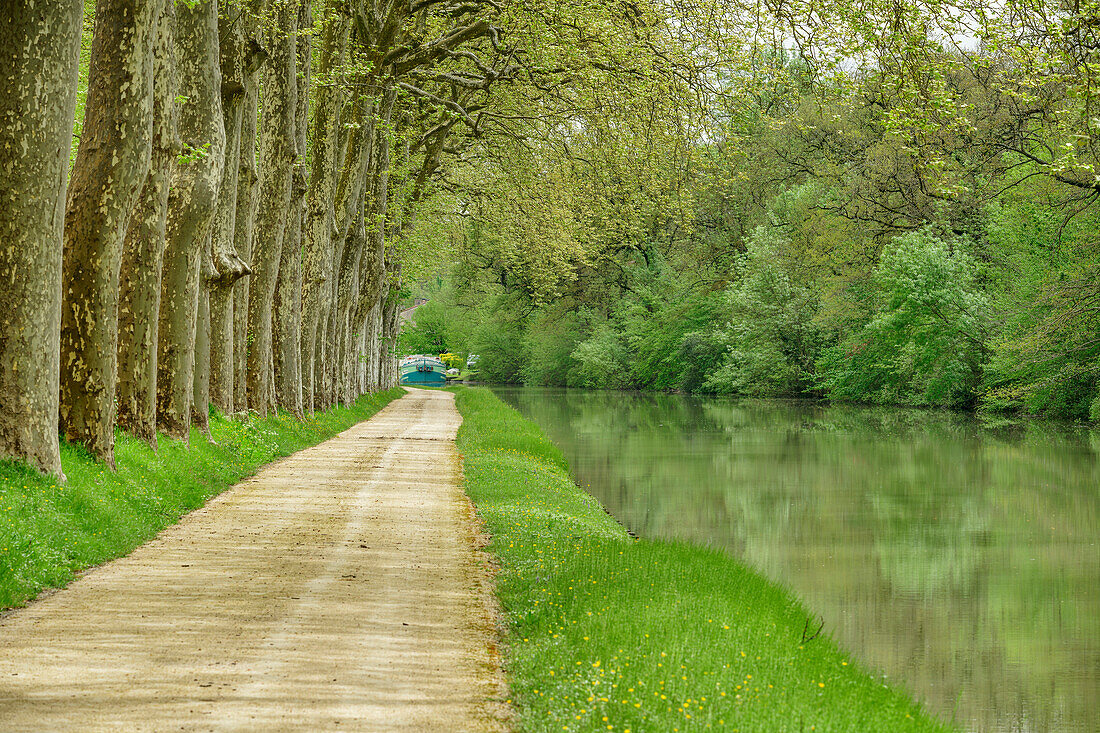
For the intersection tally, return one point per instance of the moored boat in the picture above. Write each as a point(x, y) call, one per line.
point(419, 369)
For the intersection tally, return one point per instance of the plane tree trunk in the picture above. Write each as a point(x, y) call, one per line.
point(287, 305)
point(288, 295)
point(387, 363)
point(318, 227)
point(349, 290)
point(364, 264)
point(200, 382)
point(374, 327)
point(191, 205)
point(367, 150)
point(143, 251)
point(111, 165)
point(39, 56)
point(278, 148)
point(248, 181)
point(241, 57)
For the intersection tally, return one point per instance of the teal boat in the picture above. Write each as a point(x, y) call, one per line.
point(426, 371)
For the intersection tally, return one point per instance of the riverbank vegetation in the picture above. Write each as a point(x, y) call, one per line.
point(50, 530)
point(606, 632)
point(908, 216)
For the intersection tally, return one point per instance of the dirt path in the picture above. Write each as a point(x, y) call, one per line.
point(339, 589)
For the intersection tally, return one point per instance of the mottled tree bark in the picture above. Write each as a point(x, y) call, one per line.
point(349, 290)
point(347, 209)
point(288, 294)
point(387, 360)
point(287, 306)
point(374, 325)
point(248, 182)
point(371, 272)
point(39, 55)
point(372, 262)
point(353, 156)
point(357, 197)
point(319, 223)
point(111, 164)
point(368, 297)
point(362, 360)
point(241, 57)
point(325, 394)
point(278, 148)
point(200, 382)
point(233, 269)
point(191, 205)
point(364, 263)
point(143, 252)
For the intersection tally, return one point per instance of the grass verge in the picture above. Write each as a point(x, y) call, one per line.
point(608, 633)
point(48, 531)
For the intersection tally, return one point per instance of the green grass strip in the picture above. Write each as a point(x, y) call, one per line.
point(48, 531)
point(608, 633)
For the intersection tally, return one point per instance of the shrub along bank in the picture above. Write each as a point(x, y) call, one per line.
point(48, 530)
point(609, 633)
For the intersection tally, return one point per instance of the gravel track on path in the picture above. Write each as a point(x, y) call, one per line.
point(339, 589)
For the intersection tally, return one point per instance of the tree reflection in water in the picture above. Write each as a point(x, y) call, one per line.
point(958, 557)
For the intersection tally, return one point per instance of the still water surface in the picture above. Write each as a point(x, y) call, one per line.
point(959, 558)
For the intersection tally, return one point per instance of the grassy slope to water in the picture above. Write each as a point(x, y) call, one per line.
point(48, 531)
point(610, 633)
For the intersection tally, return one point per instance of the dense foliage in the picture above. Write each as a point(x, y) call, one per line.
point(907, 216)
point(1001, 322)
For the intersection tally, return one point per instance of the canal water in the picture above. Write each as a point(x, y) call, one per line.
point(959, 558)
